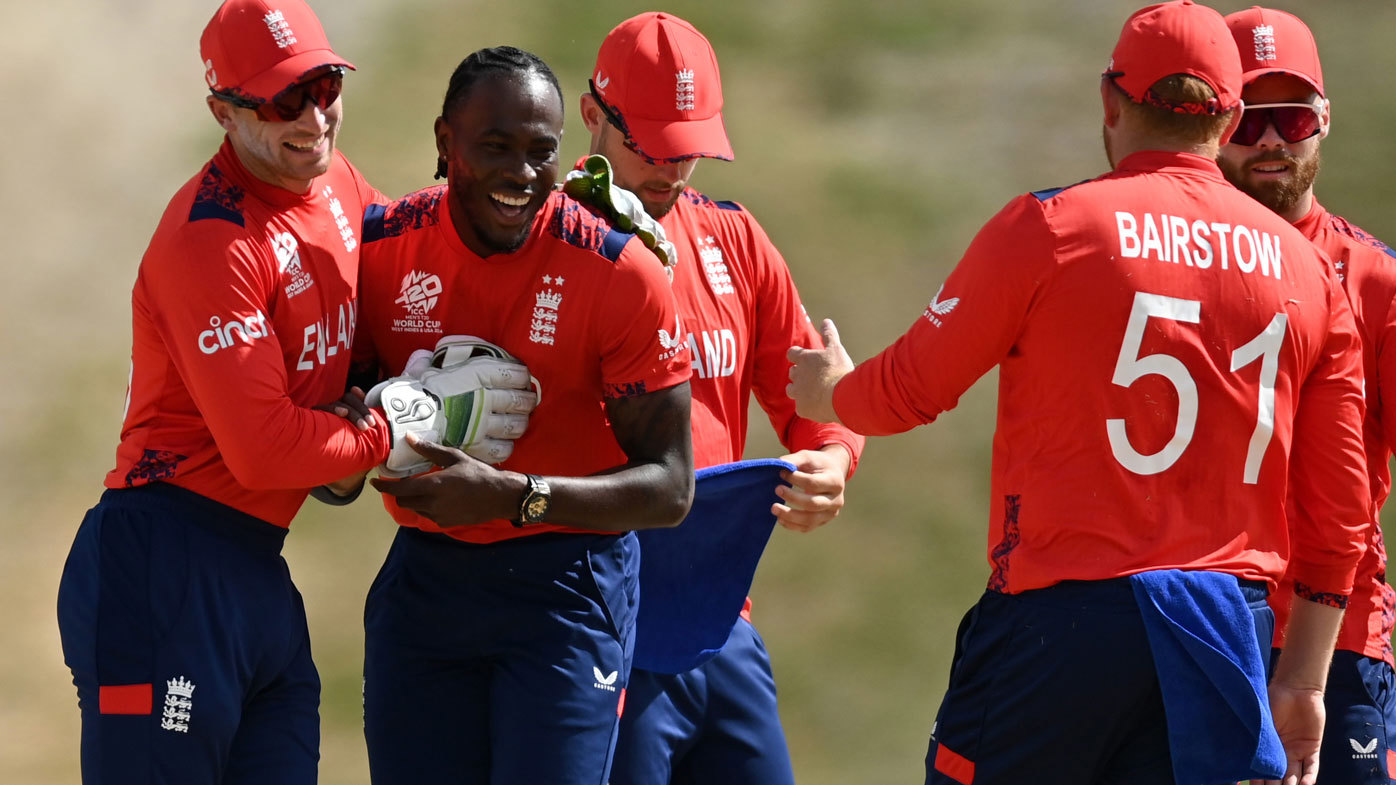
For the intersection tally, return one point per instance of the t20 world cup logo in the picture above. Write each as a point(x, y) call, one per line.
point(419, 292)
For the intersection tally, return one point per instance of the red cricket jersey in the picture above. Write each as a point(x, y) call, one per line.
point(1155, 330)
point(740, 313)
point(1367, 270)
point(587, 308)
point(242, 317)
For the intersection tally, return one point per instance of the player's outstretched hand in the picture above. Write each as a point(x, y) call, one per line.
point(814, 373)
point(815, 495)
point(1299, 717)
point(352, 408)
point(464, 492)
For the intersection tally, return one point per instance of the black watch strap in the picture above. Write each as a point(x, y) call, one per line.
point(536, 501)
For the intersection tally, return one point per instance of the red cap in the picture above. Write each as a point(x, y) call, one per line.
point(659, 74)
point(1177, 38)
point(258, 48)
point(1274, 42)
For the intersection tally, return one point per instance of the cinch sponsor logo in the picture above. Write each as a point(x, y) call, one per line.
point(221, 335)
point(717, 354)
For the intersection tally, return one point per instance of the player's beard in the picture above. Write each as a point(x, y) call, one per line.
point(498, 243)
point(658, 211)
point(1281, 194)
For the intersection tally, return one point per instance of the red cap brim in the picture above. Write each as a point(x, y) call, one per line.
point(670, 140)
point(1251, 76)
point(269, 83)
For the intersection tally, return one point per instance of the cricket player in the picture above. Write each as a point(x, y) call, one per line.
point(1274, 157)
point(1175, 362)
point(500, 629)
point(654, 109)
point(186, 638)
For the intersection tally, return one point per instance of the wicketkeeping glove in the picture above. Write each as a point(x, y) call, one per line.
point(468, 394)
point(593, 185)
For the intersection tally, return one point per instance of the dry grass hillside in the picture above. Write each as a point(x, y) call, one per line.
point(872, 140)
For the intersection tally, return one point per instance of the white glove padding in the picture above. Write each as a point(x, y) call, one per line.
point(508, 397)
point(455, 350)
point(592, 185)
point(468, 394)
point(417, 363)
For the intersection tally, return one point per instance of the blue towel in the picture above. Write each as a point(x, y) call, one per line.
point(694, 578)
point(1204, 644)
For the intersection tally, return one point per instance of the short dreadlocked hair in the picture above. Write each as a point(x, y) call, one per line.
point(486, 62)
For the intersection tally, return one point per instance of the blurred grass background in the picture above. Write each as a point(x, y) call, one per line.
point(872, 141)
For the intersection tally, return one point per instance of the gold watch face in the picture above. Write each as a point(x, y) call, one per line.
point(537, 507)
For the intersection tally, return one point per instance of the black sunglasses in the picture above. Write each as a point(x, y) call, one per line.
point(322, 88)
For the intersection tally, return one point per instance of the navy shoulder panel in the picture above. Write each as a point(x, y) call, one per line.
point(413, 211)
point(1048, 193)
point(373, 222)
point(578, 225)
point(217, 198)
point(702, 200)
point(1359, 234)
point(614, 243)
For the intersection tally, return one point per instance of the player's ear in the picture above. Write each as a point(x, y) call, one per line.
point(443, 137)
point(222, 112)
point(1326, 119)
point(1234, 122)
point(1110, 102)
point(591, 113)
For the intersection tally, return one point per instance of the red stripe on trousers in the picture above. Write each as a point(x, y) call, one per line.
point(955, 766)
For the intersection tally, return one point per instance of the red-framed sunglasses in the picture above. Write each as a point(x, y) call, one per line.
point(322, 90)
point(1293, 122)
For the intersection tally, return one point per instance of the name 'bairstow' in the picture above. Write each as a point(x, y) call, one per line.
point(1171, 238)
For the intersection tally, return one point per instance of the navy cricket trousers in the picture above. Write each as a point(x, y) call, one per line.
point(1058, 686)
point(502, 663)
point(188, 645)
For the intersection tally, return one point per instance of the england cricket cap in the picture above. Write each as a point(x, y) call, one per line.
point(1180, 37)
point(657, 78)
point(258, 48)
point(1274, 42)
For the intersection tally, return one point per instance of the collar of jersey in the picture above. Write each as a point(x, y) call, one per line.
point(1155, 160)
point(1316, 217)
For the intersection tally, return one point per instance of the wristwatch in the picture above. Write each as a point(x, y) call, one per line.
point(536, 501)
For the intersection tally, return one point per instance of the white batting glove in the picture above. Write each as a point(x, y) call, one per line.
point(467, 393)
